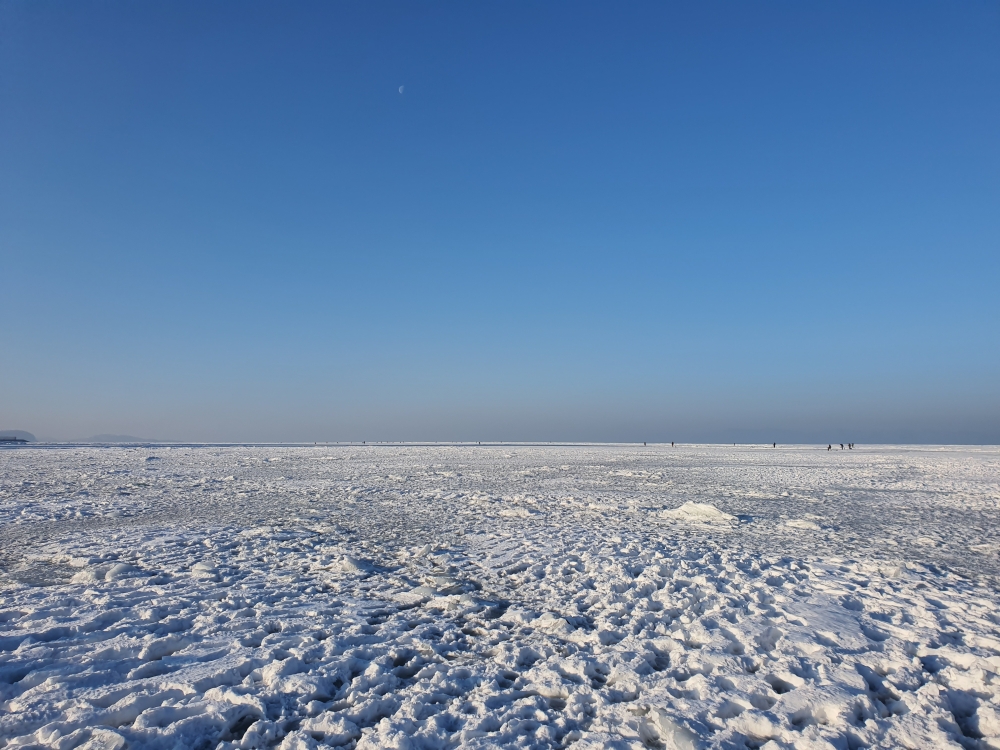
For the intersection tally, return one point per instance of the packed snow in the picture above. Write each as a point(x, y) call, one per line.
point(482, 596)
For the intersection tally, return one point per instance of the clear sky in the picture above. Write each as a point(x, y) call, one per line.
point(574, 221)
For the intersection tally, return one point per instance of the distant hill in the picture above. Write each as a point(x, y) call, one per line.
point(18, 434)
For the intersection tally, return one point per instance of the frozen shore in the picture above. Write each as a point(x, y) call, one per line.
point(475, 596)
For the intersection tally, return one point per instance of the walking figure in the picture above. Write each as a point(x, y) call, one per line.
point(829, 447)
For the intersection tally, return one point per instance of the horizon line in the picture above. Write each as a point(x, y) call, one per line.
point(469, 443)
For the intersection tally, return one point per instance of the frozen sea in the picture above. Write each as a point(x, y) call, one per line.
point(473, 596)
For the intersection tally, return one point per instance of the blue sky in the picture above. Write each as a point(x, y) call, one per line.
point(579, 221)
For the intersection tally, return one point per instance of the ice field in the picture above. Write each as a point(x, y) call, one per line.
point(485, 596)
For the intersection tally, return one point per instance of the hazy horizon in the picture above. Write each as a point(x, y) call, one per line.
point(711, 222)
point(110, 439)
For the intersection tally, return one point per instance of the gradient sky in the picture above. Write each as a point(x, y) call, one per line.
point(579, 221)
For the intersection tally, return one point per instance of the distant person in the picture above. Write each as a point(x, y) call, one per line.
point(671, 443)
point(829, 447)
point(774, 445)
point(841, 446)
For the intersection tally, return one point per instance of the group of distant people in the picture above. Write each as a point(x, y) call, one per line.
point(849, 446)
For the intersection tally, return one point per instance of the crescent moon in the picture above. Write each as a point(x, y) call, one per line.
point(400, 89)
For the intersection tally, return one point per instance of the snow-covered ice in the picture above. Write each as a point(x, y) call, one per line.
point(482, 596)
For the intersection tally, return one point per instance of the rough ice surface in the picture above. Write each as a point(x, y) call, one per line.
point(475, 596)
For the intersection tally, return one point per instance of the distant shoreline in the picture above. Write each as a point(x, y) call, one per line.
point(473, 444)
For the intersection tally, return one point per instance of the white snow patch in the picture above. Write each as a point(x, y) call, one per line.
point(693, 512)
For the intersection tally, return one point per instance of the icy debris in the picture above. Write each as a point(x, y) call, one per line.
point(89, 575)
point(350, 564)
point(122, 570)
point(517, 512)
point(552, 623)
point(423, 591)
point(160, 647)
point(277, 669)
point(673, 734)
point(109, 571)
point(335, 730)
point(97, 739)
point(204, 569)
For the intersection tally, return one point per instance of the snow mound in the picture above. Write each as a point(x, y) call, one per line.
point(205, 569)
point(351, 564)
point(122, 570)
point(692, 512)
